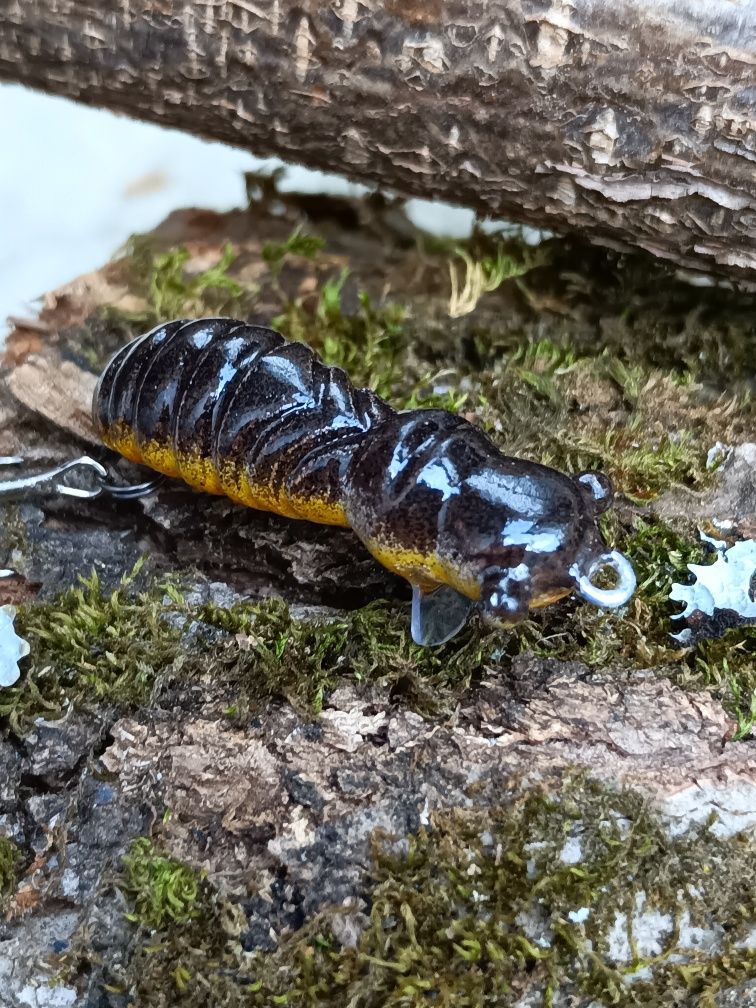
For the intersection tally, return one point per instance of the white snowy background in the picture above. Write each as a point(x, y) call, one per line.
point(75, 182)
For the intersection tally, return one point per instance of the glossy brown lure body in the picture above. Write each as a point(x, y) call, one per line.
point(234, 409)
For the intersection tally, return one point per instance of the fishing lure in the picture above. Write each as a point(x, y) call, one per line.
point(235, 409)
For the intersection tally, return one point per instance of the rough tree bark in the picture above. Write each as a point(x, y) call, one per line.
point(633, 120)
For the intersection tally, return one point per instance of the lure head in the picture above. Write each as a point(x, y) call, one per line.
point(549, 544)
point(436, 502)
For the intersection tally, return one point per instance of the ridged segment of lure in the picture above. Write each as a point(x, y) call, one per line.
point(234, 409)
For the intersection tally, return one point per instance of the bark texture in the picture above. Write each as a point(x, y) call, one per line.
point(634, 121)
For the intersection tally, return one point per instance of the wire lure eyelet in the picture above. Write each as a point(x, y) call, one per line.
point(608, 598)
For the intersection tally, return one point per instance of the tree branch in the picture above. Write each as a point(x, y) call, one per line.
point(632, 121)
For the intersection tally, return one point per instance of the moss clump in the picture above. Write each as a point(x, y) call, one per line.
point(728, 665)
point(272, 654)
point(299, 243)
point(647, 314)
point(96, 649)
point(90, 648)
point(10, 862)
point(544, 895)
point(660, 555)
point(172, 293)
point(643, 429)
point(161, 890)
point(483, 274)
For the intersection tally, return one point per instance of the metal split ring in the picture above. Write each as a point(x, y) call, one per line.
point(52, 481)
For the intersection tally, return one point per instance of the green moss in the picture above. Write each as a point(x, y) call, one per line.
point(571, 376)
point(728, 665)
point(484, 273)
point(162, 891)
point(272, 654)
point(297, 244)
point(10, 862)
point(90, 648)
point(97, 649)
point(173, 294)
point(485, 907)
point(425, 397)
point(542, 400)
point(660, 555)
point(160, 277)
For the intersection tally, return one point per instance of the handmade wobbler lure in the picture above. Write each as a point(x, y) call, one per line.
point(235, 409)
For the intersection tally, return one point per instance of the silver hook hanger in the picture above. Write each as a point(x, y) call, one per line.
point(52, 481)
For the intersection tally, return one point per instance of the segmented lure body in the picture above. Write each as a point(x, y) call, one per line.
point(234, 409)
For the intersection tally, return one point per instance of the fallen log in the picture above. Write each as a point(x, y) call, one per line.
point(633, 121)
